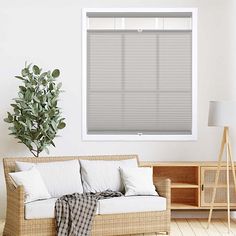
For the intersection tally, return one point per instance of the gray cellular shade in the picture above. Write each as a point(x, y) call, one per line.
point(139, 82)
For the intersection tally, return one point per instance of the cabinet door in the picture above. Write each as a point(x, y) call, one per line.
point(207, 185)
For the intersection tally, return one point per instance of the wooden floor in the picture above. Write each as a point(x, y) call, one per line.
point(192, 227)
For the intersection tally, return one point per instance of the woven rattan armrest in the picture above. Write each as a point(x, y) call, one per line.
point(16, 195)
point(15, 205)
point(163, 189)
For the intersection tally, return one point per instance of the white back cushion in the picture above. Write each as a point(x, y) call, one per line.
point(60, 178)
point(98, 176)
point(138, 181)
point(33, 184)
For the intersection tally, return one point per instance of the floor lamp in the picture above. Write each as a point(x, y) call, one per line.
point(223, 114)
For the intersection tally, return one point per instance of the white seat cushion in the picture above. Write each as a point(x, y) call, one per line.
point(131, 204)
point(45, 208)
point(40, 209)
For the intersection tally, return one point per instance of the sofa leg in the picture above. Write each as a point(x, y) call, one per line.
point(162, 233)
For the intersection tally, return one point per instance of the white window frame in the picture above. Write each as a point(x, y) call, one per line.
point(139, 137)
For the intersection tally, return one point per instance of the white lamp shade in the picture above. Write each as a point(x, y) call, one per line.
point(222, 113)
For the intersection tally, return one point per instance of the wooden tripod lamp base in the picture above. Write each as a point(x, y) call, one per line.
point(223, 114)
point(229, 163)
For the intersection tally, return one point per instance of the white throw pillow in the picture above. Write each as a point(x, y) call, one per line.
point(138, 181)
point(33, 184)
point(22, 166)
point(98, 176)
point(61, 177)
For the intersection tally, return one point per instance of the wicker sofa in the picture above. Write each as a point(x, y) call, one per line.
point(107, 224)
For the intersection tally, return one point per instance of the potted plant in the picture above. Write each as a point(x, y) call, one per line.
point(36, 117)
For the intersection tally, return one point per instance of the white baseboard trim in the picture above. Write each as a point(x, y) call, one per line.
point(201, 214)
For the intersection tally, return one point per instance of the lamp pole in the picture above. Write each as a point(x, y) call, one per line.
point(229, 162)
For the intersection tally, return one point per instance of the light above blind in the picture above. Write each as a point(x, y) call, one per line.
point(139, 82)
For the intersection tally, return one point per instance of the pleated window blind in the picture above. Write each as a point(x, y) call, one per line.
point(139, 82)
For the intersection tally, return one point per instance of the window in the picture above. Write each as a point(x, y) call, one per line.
point(139, 77)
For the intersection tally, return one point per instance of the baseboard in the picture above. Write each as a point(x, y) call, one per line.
point(201, 214)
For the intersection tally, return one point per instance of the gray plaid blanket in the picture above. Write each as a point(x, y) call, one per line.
point(75, 212)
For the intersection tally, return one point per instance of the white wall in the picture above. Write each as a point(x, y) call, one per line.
point(48, 32)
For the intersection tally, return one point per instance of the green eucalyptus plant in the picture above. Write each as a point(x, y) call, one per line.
point(36, 117)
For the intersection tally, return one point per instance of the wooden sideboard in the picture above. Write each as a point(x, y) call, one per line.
point(192, 184)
